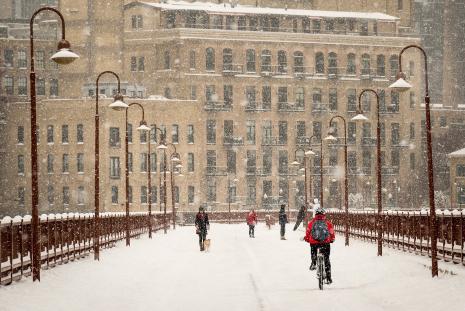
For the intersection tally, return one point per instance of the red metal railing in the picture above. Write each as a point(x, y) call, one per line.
point(409, 231)
point(63, 238)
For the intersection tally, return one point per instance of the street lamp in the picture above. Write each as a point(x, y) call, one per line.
point(401, 85)
point(174, 158)
point(63, 56)
point(142, 127)
point(296, 163)
point(330, 137)
point(361, 118)
point(163, 147)
point(118, 101)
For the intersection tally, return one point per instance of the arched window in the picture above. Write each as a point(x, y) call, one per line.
point(227, 60)
point(351, 67)
point(266, 61)
point(298, 62)
point(210, 59)
point(365, 64)
point(250, 59)
point(282, 62)
point(332, 63)
point(380, 66)
point(319, 63)
point(394, 64)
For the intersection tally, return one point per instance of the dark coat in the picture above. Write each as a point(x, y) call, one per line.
point(201, 222)
point(282, 217)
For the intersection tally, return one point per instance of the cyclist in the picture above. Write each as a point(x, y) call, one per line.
point(320, 233)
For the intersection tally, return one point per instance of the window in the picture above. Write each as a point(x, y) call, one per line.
point(211, 190)
point(366, 102)
point(282, 126)
point(282, 62)
point(365, 65)
point(190, 194)
point(8, 58)
point(231, 161)
point(153, 194)
point(114, 167)
point(282, 94)
point(241, 23)
point(65, 195)
point(275, 24)
point(53, 87)
point(319, 63)
point(283, 162)
point(80, 133)
point(400, 5)
point(306, 25)
point(299, 97)
point(412, 161)
point(40, 86)
point(193, 92)
point(81, 195)
point(136, 21)
point(143, 195)
point(50, 159)
point(65, 163)
point(250, 59)
point(333, 99)
point(382, 100)
point(300, 130)
point(395, 135)
point(8, 86)
point(227, 60)
point(266, 61)
point(190, 134)
point(210, 59)
point(351, 100)
point(22, 60)
point(317, 129)
point(251, 161)
point(130, 162)
point(20, 134)
point(21, 164)
point(230, 22)
point(253, 23)
point(298, 62)
point(80, 163)
point(460, 170)
point(175, 134)
point(267, 161)
point(190, 162)
point(382, 130)
point(351, 68)
point(153, 162)
point(442, 121)
point(211, 132)
point(412, 130)
point(143, 162)
point(50, 134)
point(333, 156)
point(64, 134)
point(114, 194)
point(228, 127)
point(228, 95)
point(332, 63)
point(395, 158)
point(22, 86)
point(394, 102)
point(250, 95)
point(218, 22)
point(394, 64)
point(250, 128)
point(366, 159)
point(114, 137)
point(380, 66)
point(412, 99)
point(143, 137)
point(364, 28)
point(210, 94)
point(266, 132)
point(133, 63)
point(266, 97)
point(141, 64)
point(316, 26)
point(192, 59)
point(50, 195)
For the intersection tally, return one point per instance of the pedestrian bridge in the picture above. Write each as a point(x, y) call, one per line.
point(168, 272)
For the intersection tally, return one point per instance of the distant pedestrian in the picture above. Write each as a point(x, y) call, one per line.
point(300, 216)
point(251, 222)
point(202, 225)
point(283, 221)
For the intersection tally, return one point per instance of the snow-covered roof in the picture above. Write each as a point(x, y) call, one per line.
point(457, 154)
point(247, 9)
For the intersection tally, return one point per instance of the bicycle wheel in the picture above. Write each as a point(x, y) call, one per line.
point(320, 271)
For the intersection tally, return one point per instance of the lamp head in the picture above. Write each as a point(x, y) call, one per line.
point(401, 85)
point(330, 138)
point(162, 145)
point(359, 117)
point(64, 55)
point(310, 152)
point(118, 103)
point(143, 126)
point(295, 163)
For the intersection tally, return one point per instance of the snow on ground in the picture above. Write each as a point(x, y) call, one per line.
point(170, 273)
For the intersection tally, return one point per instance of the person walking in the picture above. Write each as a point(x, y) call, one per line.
point(282, 221)
point(300, 216)
point(320, 233)
point(251, 222)
point(202, 225)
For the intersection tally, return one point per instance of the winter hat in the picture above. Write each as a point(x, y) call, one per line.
point(320, 210)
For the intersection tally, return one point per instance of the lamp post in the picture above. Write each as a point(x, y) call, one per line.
point(297, 163)
point(118, 102)
point(149, 168)
point(163, 147)
point(229, 196)
point(63, 56)
point(401, 85)
point(174, 158)
point(142, 127)
point(361, 118)
point(310, 152)
point(346, 187)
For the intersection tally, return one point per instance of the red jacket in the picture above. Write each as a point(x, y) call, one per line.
point(308, 234)
point(251, 218)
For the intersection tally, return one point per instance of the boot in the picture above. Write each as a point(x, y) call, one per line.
point(329, 280)
point(201, 247)
point(283, 238)
point(312, 266)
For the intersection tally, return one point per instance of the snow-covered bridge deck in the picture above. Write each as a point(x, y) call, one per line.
point(170, 273)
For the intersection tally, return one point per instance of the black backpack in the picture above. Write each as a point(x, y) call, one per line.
point(320, 230)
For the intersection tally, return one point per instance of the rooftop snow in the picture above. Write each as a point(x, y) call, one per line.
point(245, 9)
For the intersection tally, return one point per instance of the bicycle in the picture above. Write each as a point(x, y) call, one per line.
point(320, 269)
